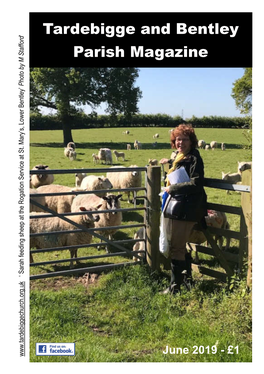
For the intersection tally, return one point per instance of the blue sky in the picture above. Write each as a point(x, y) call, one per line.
point(188, 91)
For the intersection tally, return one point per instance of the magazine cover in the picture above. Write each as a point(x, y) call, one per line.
point(109, 105)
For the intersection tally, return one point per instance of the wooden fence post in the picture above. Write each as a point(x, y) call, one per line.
point(246, 203)
point(153, 185)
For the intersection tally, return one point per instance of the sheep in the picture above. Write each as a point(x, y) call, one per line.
point(78, 178)
point(231, 178)
point(119, 154)
point(95, 158)
point(170, 131)
point(109, 202)
point(213, 144)
point(242, 166)
point(59, 204)
point(51, 224)
point(223, 147)
point(207, 146)
point(70, 153)
point(125, 132)
point(105, 154)
point(137, 144)
point(71, 145)
point(213, 219)
point(152, 161)
point(126, 179)
point(38, 199)
point(139, 246)
point(129, 147)
point(95, 183)
point(41, 179)
point(201, 144)
point(155, 136)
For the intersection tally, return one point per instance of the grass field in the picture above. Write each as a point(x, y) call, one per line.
point(121, 317)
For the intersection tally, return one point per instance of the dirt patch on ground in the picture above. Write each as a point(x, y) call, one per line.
point(60, 283)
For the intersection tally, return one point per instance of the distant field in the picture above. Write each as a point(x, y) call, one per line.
point(47, 147)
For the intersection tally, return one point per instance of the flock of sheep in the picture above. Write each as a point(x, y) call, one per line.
point(88, 206)
point(202, 144)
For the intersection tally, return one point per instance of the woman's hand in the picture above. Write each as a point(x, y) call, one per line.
point(164, 161)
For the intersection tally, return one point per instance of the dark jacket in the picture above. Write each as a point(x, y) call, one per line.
point(196, 198)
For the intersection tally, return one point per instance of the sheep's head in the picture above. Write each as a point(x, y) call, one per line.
point(112, 202)
point(41, 167)
point(89, 217)
point(105, 183)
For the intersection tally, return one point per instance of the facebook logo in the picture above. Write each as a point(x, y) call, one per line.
point(42, 349)
point(55, 349)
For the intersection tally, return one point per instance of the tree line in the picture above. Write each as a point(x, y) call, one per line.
point(85, 121)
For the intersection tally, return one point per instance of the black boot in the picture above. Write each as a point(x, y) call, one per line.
point(177, 268)
point(188, 280)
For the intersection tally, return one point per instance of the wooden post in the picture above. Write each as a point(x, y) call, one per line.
point(246, 203)
point(153, 185)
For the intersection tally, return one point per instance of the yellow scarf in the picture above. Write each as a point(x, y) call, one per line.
point(180, 156)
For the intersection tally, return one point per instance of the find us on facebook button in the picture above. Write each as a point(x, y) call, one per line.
point(55, 349)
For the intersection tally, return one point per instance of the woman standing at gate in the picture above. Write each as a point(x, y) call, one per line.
point(184, 141)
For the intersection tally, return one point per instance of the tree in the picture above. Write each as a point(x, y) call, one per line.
point(242, 92)
point(64, 89)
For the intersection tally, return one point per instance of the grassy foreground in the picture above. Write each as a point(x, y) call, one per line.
point(121, 317)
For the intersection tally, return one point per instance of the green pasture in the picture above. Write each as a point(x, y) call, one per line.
point(122, 317)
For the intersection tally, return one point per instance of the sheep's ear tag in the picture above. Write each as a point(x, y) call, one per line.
point(82, 209)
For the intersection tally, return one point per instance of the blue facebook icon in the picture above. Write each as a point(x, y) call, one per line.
point(42, 348)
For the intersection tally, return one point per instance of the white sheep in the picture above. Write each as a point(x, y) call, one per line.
point(129, 147)
point(70, 153)
point(152, 161)
point(155, 136)
point(119, 154)
point(125, 179)
point(38, 199)
point(242, 166)
point(37, 180)
point(223, 146)
point(95, 158)
point(213, 219)
point(107, 219)
point(78, 178)
point(59, 203)
point(95, 183)
point(51, 224)
point(213, 144)
point(137, 144)
point(139, 246)
point(201, 144)
point(207, 146)
point(125, 132)
point(105, 154)
point(170, 131)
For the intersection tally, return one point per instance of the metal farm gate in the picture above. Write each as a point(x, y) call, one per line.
point(118, 245)
point(227, 260)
